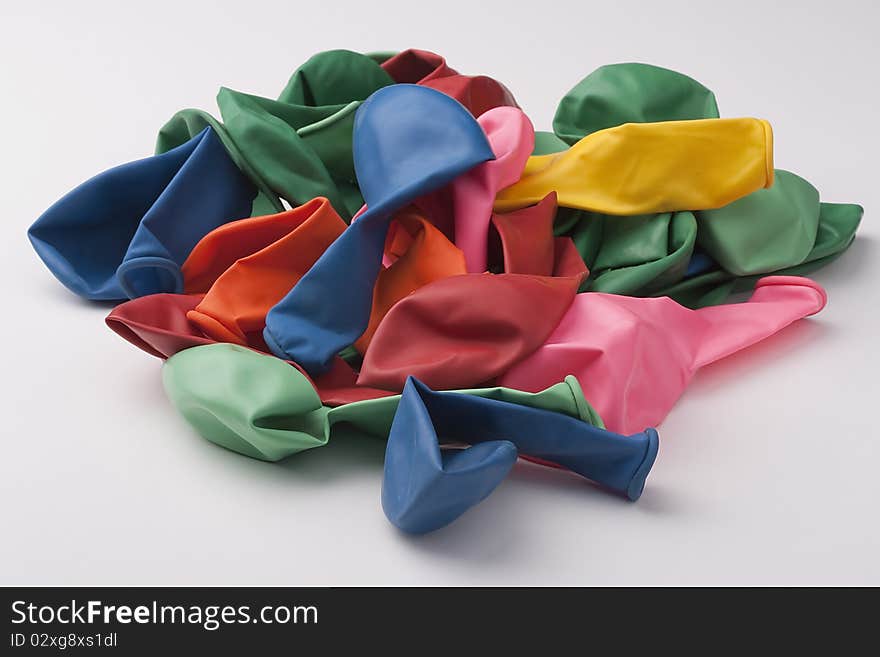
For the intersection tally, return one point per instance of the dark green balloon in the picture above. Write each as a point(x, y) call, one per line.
point(630, 93)
point(768, 230)
point(546, 143)
point(631, 255)
point(837, 227)
point(299, 146)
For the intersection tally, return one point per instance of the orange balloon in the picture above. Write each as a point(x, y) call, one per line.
point(248, 265)
point(423, 255)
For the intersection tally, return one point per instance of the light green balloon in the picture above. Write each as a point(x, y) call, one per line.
point(263, 407)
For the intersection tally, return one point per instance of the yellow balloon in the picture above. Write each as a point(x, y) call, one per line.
point(640, 168)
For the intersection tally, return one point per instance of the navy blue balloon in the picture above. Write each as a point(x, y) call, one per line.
point(408, 141)
point(699, 263)
point(125, 232)
point(425, 488)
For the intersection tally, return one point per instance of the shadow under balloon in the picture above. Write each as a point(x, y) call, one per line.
point(60, 295)
point(747, 363)
point(493, 532)
point(500, 528)
point(850, 265)
point(347, 453)
point(795, 338)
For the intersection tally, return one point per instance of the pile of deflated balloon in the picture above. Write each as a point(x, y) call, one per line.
point(390, 246)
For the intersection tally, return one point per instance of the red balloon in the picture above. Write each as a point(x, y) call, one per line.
point(526, 238)
point(157, 323)
point(465, 330)
point(478, 93)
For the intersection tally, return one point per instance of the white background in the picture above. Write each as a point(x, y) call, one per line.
point(767, 472)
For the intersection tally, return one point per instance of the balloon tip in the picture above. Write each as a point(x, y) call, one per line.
point(637, 483)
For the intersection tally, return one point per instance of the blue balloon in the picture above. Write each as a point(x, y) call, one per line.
point(699, 263)
point(425, 488)
point(408, 141)
point(125, 232)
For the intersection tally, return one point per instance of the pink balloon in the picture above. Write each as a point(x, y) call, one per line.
point(512, 139)
point(635, 356)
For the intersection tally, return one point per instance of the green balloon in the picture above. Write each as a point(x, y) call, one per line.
point(836, 231)
point(631, 255)
point(546, 143)
point(299, 146)
point(334, 77)
point(374, 416)
point(768, 230)
point(257, 405)
point(265, 408)
point(630, 93)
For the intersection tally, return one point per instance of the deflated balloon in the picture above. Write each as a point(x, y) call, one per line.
point(158, 323)
point(526, 244)
point(125, 232)
point(425, 488)
point(631, 255)
point(640, 168)
point(261, 258)
point(630, 93)
point(525, 238)
point(477, 93)
point(700, 258)
point(465, 330)
point(256, 405)
point(635, 356)
point(768, 230)
point(409, 141)
point(334, 77)
point(838, 223)
point(262, 245)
